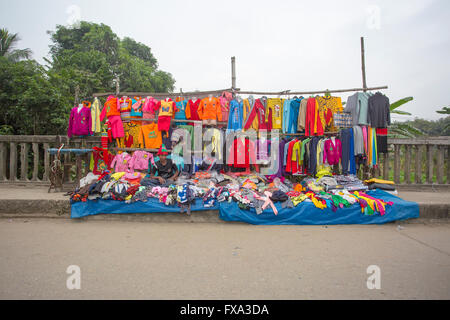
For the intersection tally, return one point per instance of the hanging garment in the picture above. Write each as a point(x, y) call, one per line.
point(80, 122)
point(140, 160)
point(148, 109)
point(329, 106)
point(313, 122)
point(95, 116)
point(332, 151)
point(136, 107)
point(301, 119)
point(225, 100)
point(257, 114)
point(242, 154)
point(150, 136)
point(348, 156)
point(125, 107)
point(180, 113)
point(132, 131)
point(236, 116)
point(290, 115)
point(382, 145)
point(110, 108)
point(358, 140)
point(249, 109)
point(274, 115)
point(209, 109)
point(363, 102)
point(379, 114)
point(192, 110)
point(121, 162)
point(289, 161)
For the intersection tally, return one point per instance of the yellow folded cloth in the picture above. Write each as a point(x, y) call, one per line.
point(375, 180)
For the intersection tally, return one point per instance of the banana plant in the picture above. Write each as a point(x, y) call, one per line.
point(393, 107)
point(399, 129)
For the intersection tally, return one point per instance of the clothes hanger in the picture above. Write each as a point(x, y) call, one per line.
point(327, 93)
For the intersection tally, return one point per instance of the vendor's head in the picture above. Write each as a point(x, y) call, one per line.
point(163, 153)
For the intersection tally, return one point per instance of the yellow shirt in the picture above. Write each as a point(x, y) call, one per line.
point(276, 106)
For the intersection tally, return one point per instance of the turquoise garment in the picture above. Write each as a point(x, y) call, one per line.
point(181, 111)
point(286, 115)
point(138, 112)
point(235, 116)
point(363, 102)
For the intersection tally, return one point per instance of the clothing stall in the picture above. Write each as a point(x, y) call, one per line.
point(317, 144)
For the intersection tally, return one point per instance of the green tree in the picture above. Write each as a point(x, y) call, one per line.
point(31, 103)
point(92, 56)
point(8, 43)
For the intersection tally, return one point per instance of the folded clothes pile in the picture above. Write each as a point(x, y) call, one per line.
point(251, 191)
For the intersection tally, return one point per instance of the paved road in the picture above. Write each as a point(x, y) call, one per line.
point(221, 261)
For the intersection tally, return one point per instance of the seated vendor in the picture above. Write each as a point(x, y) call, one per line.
point(165, 171)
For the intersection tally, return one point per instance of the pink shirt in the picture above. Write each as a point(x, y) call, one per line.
point(140, 159)
point(332, 151)
point(121, 162)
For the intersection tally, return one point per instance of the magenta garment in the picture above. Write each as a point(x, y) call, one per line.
point(116, 126)
point(140, 159)
point(80, 123)
point(332, 151)
point(121, 162)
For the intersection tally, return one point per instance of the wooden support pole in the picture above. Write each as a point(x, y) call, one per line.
point(233, 73)
point(363, 65)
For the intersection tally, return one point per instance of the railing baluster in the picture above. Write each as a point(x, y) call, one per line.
point(24, 148)
point(46, 162)
point(429, 164)
point(397, 164)
point(3, 162)
point(440, 165)
point(12, 161)
point(407, 164)
point(35, 148)
point(386, 166)
point(418, 173)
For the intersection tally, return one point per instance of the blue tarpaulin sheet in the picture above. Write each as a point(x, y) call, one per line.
point(93, 207)
point(306, 213)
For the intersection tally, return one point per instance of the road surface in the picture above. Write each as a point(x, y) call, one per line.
point(135, 260)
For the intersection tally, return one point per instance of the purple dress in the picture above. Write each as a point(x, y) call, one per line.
point(80, 123)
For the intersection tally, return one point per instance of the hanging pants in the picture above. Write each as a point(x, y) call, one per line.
point(310, 117)
point(348, 156)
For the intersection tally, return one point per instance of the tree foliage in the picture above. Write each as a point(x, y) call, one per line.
point(37, 99)
point(8, 43)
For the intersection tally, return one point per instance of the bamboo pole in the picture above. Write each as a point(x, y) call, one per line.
point(363, 65)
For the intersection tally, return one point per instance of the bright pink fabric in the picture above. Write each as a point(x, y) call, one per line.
point(332, 151)
point(116, 127)
point(140, 159)
point(121, 162)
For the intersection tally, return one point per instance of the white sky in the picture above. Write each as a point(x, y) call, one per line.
point(279, 45)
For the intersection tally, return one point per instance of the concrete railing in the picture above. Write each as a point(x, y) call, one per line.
point(25, 159)
point(421, 161)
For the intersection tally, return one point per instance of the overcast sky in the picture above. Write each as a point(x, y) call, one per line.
point(278, 45)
